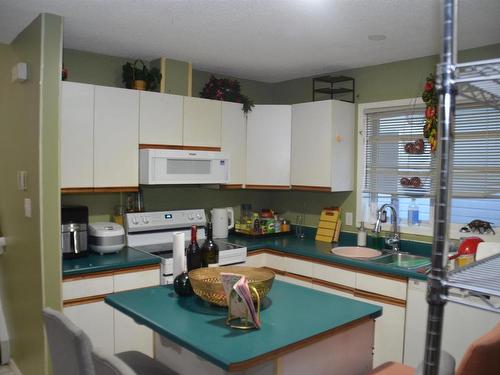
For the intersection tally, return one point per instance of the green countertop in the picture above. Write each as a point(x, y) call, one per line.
point(125, 258)
point(308, 247)
point(200, 327)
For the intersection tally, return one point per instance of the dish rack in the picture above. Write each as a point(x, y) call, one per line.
point(480, 82)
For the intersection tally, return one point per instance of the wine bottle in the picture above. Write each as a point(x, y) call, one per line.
point(193, 252)
point(210, 250)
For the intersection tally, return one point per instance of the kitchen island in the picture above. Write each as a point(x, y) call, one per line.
point(303, 331)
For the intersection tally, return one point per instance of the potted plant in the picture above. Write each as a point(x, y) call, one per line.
point(226, 90)
point(139, 77)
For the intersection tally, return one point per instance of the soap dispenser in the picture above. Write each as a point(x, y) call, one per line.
point(362, 235)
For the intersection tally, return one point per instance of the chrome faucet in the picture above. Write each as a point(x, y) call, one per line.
point(394, 239)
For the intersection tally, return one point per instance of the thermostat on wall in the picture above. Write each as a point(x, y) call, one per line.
point(20, 72)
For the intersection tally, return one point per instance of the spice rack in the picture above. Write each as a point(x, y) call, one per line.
point(337, 87)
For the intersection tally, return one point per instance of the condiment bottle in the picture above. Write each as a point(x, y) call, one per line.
point(362, 235)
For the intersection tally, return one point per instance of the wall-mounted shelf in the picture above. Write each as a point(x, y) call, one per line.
point(337, 88)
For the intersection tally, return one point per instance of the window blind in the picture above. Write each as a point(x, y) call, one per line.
point(476, 164)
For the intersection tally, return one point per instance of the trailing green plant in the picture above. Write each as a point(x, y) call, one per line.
point(132, 72)
point(228, 90)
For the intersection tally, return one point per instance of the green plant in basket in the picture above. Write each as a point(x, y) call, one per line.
point(139, 77)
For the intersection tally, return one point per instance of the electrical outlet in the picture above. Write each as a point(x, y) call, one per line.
point(348, 218)
point(27, 207)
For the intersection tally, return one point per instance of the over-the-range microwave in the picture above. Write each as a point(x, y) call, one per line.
point(162, 167)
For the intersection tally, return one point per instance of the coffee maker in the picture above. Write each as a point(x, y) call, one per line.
point(74, 222)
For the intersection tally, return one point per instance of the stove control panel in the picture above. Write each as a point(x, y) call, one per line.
point(163, 220)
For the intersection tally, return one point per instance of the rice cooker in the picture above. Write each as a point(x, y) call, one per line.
point(106, 237)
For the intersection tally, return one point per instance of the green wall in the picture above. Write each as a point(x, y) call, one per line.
point(94, 68)
point(259, 92)
point(29, 142)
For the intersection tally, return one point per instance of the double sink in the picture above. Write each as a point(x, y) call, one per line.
point(401, 260)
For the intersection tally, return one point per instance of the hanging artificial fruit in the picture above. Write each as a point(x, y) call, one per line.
point(430, 97)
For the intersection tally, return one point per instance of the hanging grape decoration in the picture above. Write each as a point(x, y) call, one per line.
point(430, 97)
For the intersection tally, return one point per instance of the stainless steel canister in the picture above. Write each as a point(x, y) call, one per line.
point(74, 240)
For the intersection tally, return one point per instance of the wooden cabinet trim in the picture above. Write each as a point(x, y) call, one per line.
point(379, 298)
point(334, 286)
point(161, 147)
point(312, 188)
point(117, 189)
point(148, 267)
point(232, 186)
point(277, 272)
point(201, 148)
point(267, 187)
point(111, 272)
point(84, 300)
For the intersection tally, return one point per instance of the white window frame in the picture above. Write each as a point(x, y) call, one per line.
point(422, 230)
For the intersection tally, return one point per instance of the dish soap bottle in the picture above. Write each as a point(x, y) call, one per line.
point(413, 213)
point(362, 235)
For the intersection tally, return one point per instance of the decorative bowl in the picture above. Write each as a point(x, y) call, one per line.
point(207, 284)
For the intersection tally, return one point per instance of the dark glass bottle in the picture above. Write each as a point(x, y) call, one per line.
point(210, 250)
point(193, 252)
point(182, 285)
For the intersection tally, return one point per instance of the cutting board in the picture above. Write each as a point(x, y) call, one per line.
point(329, 225)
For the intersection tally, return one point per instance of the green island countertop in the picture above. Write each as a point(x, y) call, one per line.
point(125, 258)
point(308, 247)
point(200, 327)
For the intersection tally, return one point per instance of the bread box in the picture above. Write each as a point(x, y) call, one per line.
point(106, 237)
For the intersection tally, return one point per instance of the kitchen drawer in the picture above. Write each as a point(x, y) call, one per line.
point(275, 261)
point(257, 260)
point(299, 267)
point(87, 287)
point(334, 275)
point(381, 285)
point(134, 280)
point(295, 280)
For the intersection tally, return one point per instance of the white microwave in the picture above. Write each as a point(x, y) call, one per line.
point(163, 167)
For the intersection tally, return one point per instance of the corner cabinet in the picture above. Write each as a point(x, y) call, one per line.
point(99, 137)
point(268, 147)
point(322, 152)
point(202, 123)
point(234, 141)
point(160, 119)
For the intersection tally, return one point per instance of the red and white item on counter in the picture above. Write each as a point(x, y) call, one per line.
point(240, 304)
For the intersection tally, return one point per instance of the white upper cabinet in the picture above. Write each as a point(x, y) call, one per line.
point(161, 117)
point(268, 146)
point(116, 137)
point(77, 135)
point(322, 154)
point(234, 139)
point(202, 122)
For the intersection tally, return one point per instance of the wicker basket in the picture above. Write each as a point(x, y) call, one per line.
point(207, 285)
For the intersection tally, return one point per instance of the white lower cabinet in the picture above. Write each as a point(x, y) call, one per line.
point(256, 260)
point(295, 280)
point(462, 325)
point(389, 332)
point(96, 320)
point(326, 289)
point(109, 329)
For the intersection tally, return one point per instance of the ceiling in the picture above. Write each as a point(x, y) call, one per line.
point(265, 40)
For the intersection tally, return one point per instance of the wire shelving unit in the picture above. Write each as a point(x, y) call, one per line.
point(478, 81)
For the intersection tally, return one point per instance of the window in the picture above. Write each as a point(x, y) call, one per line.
point(384, 162)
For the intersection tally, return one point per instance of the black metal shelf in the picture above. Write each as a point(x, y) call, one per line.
point(337, 87)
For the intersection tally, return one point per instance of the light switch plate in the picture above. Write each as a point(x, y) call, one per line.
point(27, 207)
point(348, 218)
point(22, 180)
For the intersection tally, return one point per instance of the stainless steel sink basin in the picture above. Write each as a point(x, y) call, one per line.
point(402, 260)
point(356, 252)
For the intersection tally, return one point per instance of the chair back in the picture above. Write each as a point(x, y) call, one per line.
point(483, 355)
point(110, 365)
point(70, 347)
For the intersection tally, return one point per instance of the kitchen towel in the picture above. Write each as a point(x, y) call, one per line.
point(179, 257)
